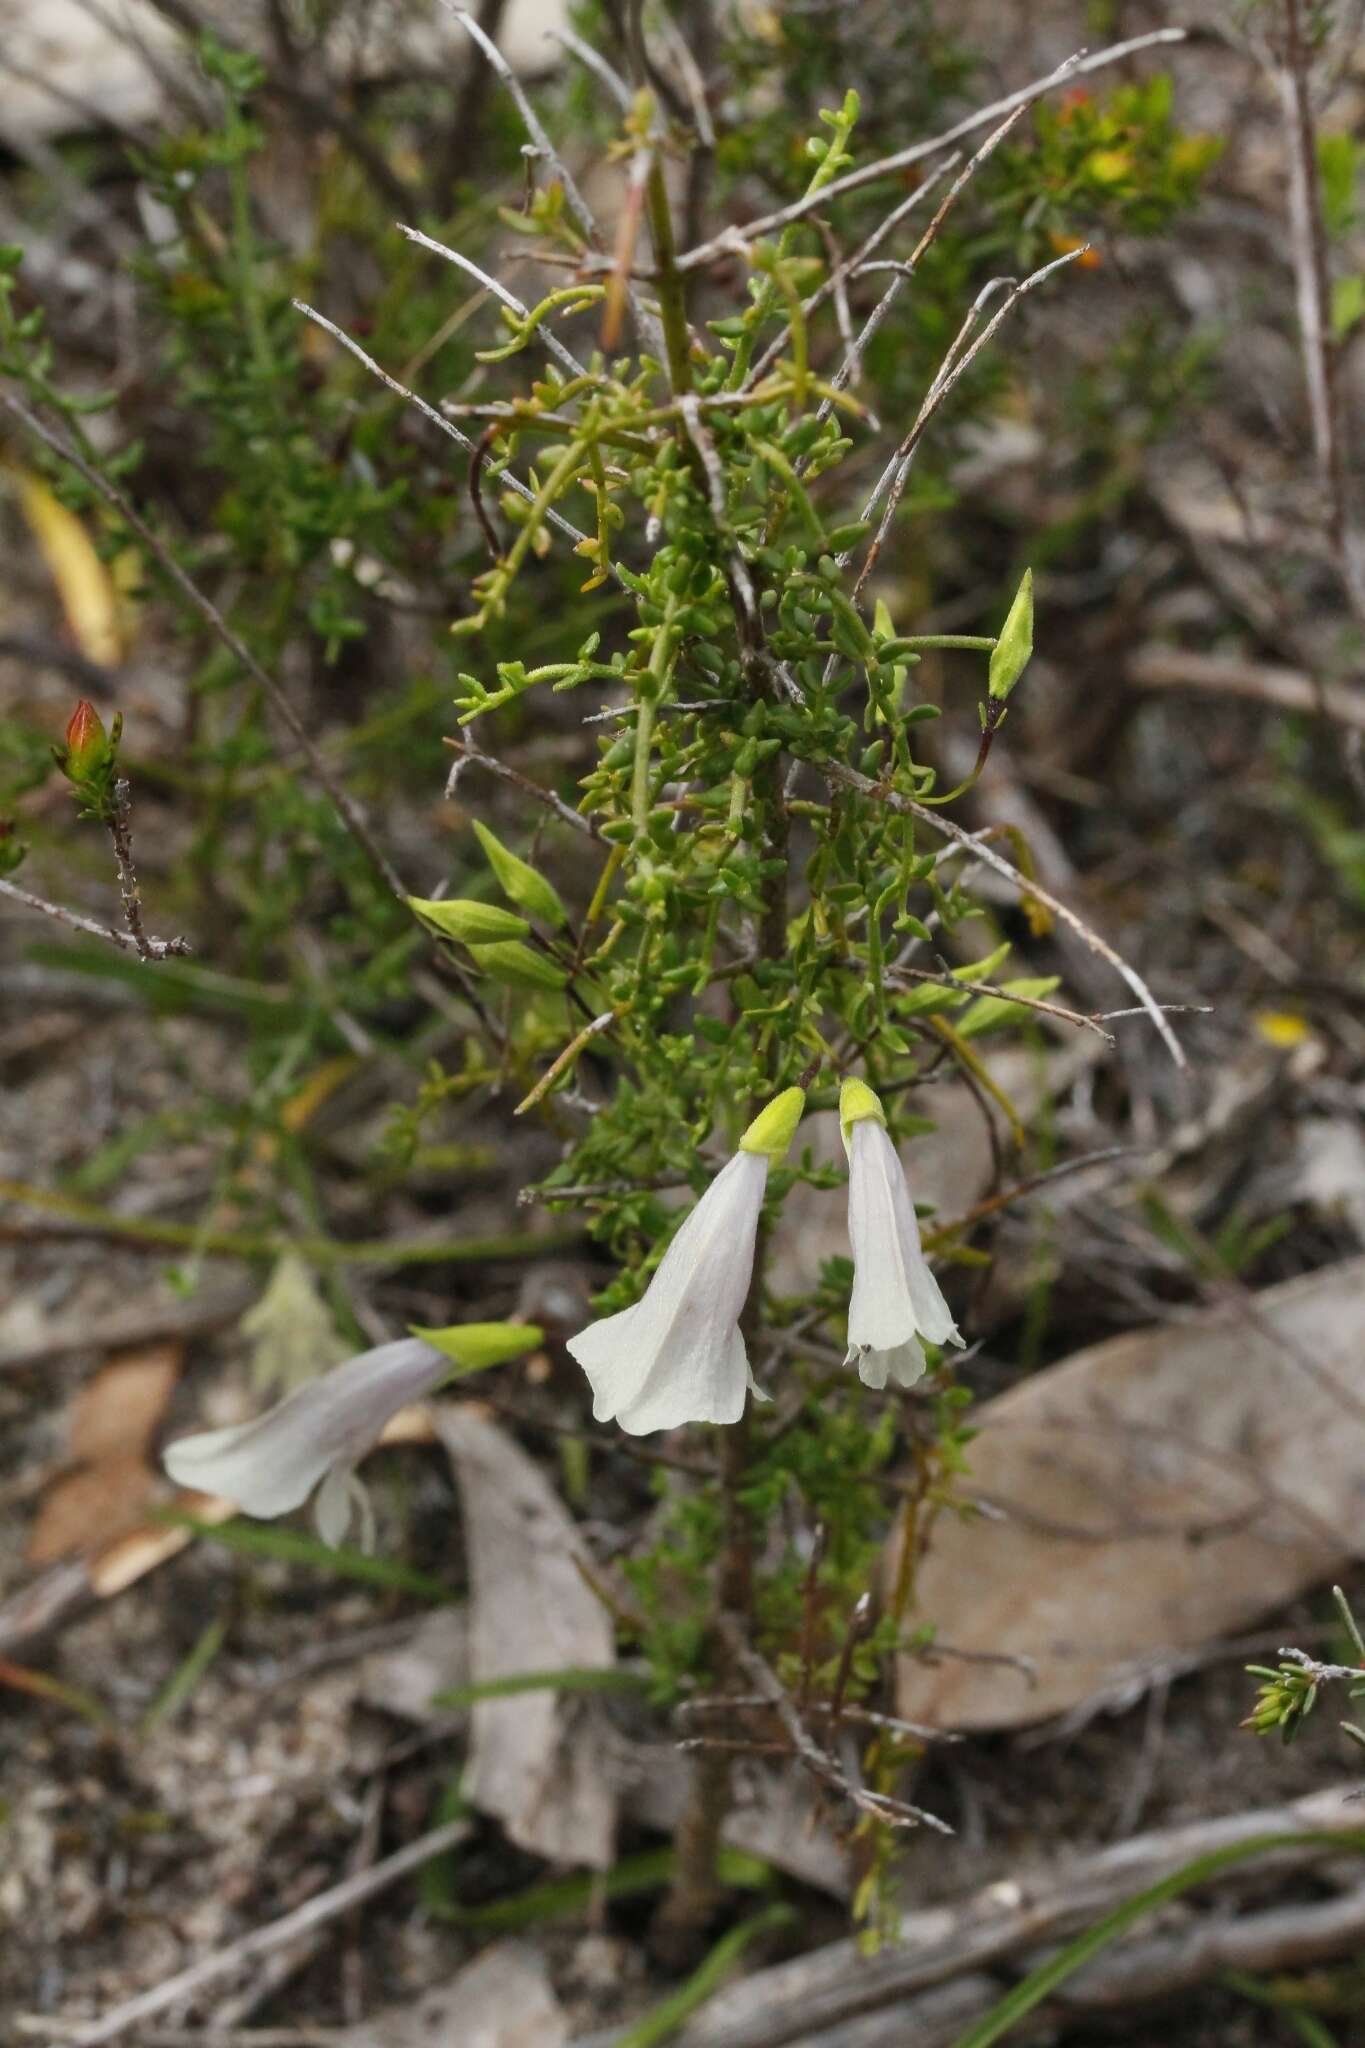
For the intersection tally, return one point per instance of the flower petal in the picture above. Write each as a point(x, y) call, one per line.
point(677, 1355)
point(903, 1366)
point(895, 1296)
point(272, 1464)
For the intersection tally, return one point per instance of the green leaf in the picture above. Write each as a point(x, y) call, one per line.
point(473, 924)
point(520, 882)
point(295, 1546)
point(573, 1678)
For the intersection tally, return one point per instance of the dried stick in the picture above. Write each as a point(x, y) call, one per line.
point(797, 2001)
point(851, 778)
point(987, 988)
point(646, 326)
point(347, 809)
point(733, 239)
point(149, 949)
point(954, 367)
point(277, 1934)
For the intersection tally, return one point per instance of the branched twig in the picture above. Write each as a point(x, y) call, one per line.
point(851, 778)
point(822, 1766)
point(149, 949)
point(121, 838)
point(987, 988)
point(959, 359)
point(733, 239)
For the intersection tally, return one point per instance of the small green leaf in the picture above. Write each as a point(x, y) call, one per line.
point(520, 882)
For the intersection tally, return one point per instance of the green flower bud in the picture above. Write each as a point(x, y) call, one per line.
point(471, 923)
point(1010, 655)
point(519, 881)
point(517, 965)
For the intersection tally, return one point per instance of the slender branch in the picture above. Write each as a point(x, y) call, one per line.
point(490, 283)
point(149, 949)
point(429, 412)
point(987, 988)
point(345, 805)
point(734, 239)
point(472, 756)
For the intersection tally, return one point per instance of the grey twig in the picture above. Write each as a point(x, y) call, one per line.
point(734, 239)
point(499, 291)
point(956, 363)
point(347, 809)
point(324, 1907)
point(149, 949)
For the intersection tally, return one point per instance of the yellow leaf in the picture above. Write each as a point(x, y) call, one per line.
point(90, 598)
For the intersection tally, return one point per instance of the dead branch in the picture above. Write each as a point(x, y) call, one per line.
point(808, 1999)
point(318, 1911)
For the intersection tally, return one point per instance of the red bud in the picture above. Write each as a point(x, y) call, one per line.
point(86, 738)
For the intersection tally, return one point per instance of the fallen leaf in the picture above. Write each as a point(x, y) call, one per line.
point(1144, 1497)
point(112, 1423)
point(503, 1999)
point(120, 1410)
point(537, 1760)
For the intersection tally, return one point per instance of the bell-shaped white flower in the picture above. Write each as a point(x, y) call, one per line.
point(319, 1434)
point(678, 1354)
point(896, 1300)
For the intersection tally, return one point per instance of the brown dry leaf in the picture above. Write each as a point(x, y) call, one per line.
point(120, 1410)
point(503, 1999)
point(91, 1505)
point(1156, 1492)
point(537, 1759)
point(112, 1423)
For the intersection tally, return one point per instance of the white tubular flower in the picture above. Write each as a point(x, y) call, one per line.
point(318, 1436)
point(678, 1356)
point(896, 1300)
